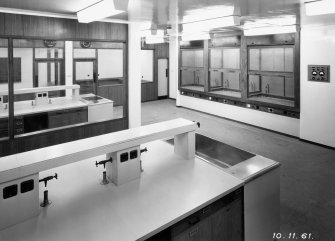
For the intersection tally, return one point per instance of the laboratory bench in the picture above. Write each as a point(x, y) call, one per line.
point(59, 112)
point(178, 196)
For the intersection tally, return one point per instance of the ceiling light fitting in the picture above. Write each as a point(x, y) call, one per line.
point(206, 25)
point(320, 7)
point(270, 30)
point(101, 10)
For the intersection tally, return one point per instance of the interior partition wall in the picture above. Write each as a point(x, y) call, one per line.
point(33, 55)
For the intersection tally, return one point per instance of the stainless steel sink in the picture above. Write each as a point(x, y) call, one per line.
point(93, 99)
point(219, 153)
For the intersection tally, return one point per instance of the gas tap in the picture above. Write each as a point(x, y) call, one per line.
point(103, 162)
point(49, 178)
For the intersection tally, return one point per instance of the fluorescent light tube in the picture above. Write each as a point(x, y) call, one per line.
point(154, 40)
point(320, 7)
point(98, 11)
point(196, 36)
point(148, 33)
point(206, 25)
point(270, 30)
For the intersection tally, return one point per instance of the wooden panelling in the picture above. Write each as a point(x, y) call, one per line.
point(57, 28)
point(48, 138)
point(117, 93)
point(149, 90)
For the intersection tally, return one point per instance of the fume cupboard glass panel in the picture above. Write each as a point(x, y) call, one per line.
point(231, 58)
point(192, 58)
point(4, 127)
point(231, 80)
point(192, 80)
point(84, 53)
point(271, 75)
point(216, 82)
point(215, 58)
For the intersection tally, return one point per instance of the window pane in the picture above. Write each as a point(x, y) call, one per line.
point(231, 58)
point(289, 64)
point(110, 63)
point(215, 80)
point(199, 58)
point(231, 80)
point(216, 58)
point(187, 58)
point(84, 53)
point(254, 59)
point(254, 83)
point(272, 59)
point(273, 85)
point(289, 87)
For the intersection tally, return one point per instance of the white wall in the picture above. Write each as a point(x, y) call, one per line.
point(317, 99)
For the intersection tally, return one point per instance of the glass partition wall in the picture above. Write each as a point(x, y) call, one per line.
point(49, 95)
point(4, 133)
point(98, 67)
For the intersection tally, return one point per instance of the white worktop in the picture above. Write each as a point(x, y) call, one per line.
point(170, 189)
point(57, 103)
point(27, 163)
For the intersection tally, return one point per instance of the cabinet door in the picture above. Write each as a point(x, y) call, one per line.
point(227, 223)
point(199, 232)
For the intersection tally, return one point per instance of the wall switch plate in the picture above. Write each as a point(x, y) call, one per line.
point(319, 73)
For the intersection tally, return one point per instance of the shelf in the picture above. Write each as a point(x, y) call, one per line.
point(41, 89)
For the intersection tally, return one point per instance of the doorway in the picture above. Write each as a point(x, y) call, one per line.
point(163, 78)
point(84, 71)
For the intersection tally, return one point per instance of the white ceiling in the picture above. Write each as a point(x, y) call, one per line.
point(161, 12)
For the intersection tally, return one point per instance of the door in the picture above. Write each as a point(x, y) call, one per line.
point(83, 74)
point(49, 73)
point(162, 77)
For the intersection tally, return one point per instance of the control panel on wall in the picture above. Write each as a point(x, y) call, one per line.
point(319, 73)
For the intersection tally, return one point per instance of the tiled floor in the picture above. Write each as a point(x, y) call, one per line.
point(307, 171)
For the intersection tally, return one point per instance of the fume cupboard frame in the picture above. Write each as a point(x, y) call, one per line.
point(236, 40)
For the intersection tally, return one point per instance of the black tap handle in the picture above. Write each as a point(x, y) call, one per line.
point(198, 123)
point(49, 178)
point(143, 150)
point(104, 162)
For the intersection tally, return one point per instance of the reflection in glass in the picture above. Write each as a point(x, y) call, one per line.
point(99, 70)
